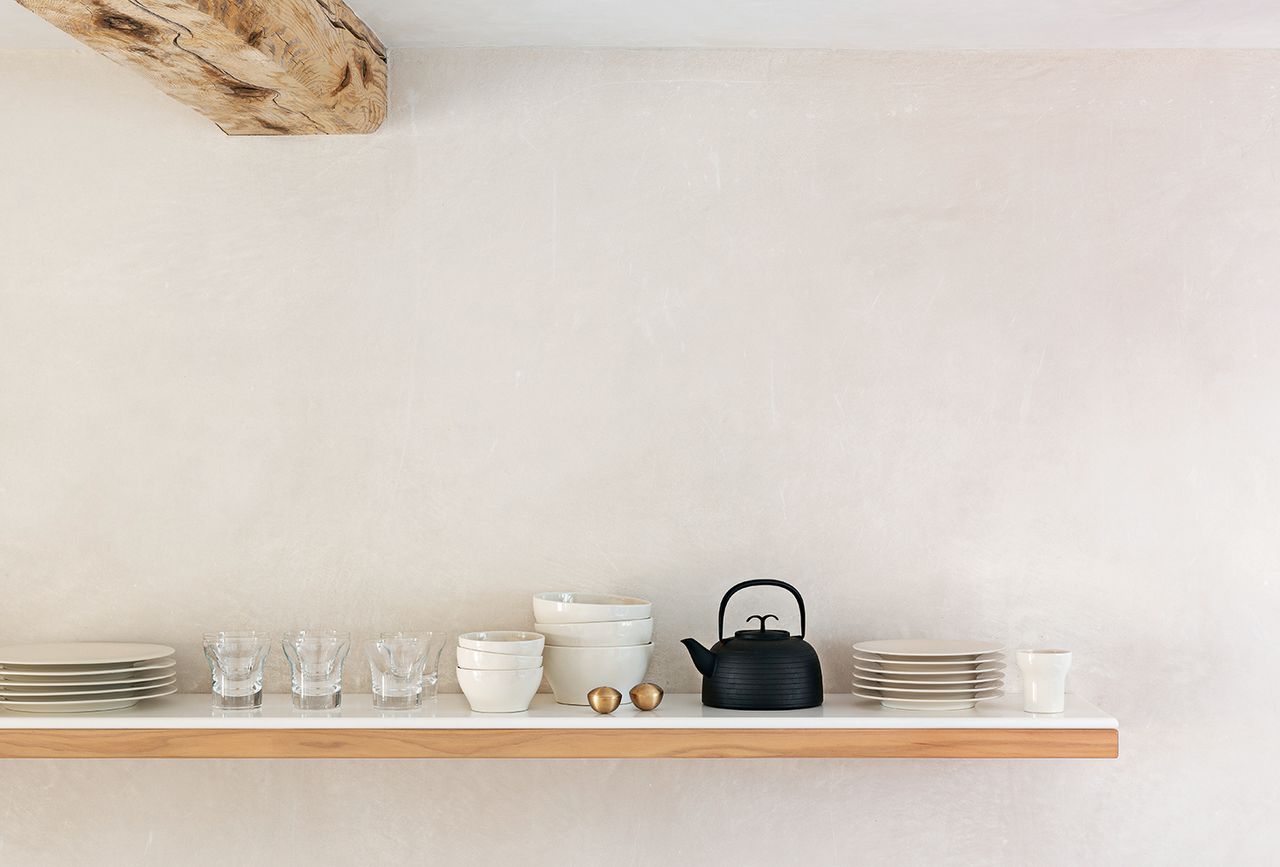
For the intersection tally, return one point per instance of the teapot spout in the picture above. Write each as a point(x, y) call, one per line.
point(703, 660)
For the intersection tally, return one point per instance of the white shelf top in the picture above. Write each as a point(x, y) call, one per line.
point(679, 711)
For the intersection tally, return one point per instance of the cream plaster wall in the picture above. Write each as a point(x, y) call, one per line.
point(961, 343)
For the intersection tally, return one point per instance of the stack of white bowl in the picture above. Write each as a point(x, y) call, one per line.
point(928, 674)
point(499, 671)
point(594, 640)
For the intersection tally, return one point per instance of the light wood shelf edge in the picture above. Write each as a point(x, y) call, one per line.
point(552, 743)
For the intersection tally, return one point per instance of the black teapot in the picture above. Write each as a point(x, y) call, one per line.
point(759, 669)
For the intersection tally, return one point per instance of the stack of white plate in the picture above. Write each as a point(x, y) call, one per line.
point(927, 674)
point(78, 676)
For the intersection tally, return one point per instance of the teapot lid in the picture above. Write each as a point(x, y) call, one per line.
point(762, 634)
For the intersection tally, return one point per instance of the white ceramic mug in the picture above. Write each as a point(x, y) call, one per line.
point(1044, 680)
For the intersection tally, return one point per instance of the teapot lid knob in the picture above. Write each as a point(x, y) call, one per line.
point(763, 633)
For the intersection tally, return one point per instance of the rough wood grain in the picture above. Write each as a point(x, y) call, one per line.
point(559, 743)
point(253, 67)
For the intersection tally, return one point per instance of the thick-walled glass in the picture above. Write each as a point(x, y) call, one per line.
point(315, 666)
point(235, 664)
point(405, 668)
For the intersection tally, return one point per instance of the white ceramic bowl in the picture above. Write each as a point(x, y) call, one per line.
point(479, 660)
point(610, 633)
point(505, 641)
point(499, 691)
point(588, 608)
point(575, 671)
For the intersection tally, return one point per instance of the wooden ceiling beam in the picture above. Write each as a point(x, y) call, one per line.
point(253, 67)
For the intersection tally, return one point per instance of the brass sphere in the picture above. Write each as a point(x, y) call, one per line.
point(646, 696)
point(604, 699)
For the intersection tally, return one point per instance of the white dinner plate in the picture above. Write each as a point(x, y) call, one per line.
point(897, 662)
point(986, 668)
point(106, 680)
point(84, 706)
point(907, 692)
point(28, 669)
point(13, 675)
point(86, 685)
point(926, 648)
point(927, 703)
point(931, 679)
point(92, 692)
point(79, 653)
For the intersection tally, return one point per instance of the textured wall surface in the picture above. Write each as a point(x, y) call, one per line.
point(867, 24)
point(962, 344)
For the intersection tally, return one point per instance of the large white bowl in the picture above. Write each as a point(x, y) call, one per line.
point(572, 607)
point(505, 641)
point(499, 691)
point(479, 660)
point(610, 633)
point(575, 671)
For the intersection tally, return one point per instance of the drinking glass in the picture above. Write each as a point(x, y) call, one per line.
point(405, 668)
point(1044, 680)
point(235, 664)
point(315, 666)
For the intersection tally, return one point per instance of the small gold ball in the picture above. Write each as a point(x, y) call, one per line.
point(604, 699)
point(646, 696)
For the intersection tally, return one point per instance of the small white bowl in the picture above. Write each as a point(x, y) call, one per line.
point(610, 633)
point(479, 660)
point(575, 671)
point(499, 691)
point(505, 641)
point(571, 607)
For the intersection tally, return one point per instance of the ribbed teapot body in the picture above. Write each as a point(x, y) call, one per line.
point(756, 675)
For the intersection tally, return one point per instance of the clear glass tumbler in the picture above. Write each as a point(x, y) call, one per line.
point(235, 663)
point(405, 668)
point(315, 666)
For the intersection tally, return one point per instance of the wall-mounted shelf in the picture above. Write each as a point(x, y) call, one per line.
point(184, 726)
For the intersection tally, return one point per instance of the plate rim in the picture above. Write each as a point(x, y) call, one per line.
point(4, 695)
point(973, 680)
point(934, 701)
point(150, 665)
point(145, 651)
point(864, 648)
point(169, 690)
point(999, 658)
point(952, 691)
point(947, 672)
point(166, 673)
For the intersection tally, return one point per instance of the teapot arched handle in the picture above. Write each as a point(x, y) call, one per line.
point(757, 582)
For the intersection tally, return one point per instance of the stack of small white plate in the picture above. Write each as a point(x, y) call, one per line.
point(927, 674)
point(79, 676)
